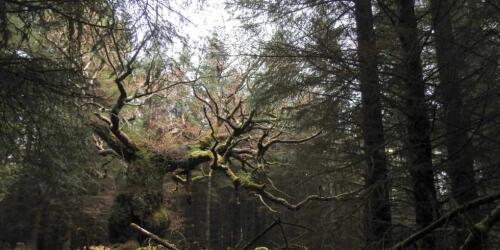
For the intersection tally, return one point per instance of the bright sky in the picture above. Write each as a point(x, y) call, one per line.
point(207, 19)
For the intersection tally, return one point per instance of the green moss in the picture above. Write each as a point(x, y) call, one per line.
point(196, 178)
point(201, 153)
point(144, 154)
point(135, 132)
point(145, 208)
point(244, 177)
point(160, 216)
point(151, 248)
point(204, 144)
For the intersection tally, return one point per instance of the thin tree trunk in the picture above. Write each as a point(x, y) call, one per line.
point(418, 125)
point(460, 165)
point(208, 211)
point(35, 230)
point(378, 211)
point(3, 25)
point(236, 230)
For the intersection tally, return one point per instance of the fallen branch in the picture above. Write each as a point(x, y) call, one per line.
point(294, 207)
point(261, 234)
point(445, 218)
point(155, 237)
point(479, 231)
point(276, 141)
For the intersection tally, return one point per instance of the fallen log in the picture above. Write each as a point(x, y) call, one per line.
point(155, 237)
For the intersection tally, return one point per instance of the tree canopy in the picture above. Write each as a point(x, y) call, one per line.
point(308, 125)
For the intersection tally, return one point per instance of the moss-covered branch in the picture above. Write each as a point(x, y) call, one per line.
point(479, 231)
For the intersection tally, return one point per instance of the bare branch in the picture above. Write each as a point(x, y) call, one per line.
point(261, 234)
point(153, 236)
point(102, 118)
point(480, 230)
point(263, 202)
point(211, 99)
point(275, 141)
point(299, 205)
point(106, 152)
point(204, 101)
point(117, 48)
point(120, 102)
point(231, 114)
point(147, 93)
point(444, 219)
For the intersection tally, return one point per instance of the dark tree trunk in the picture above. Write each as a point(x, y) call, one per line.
point(460, 164)
point(35, 230)
point(3, 25)
point(236, 227)
point(208, 210)
point(459, 161)
point(144, 208)
point(418, 125)
point(378, 211)
point(141, 201)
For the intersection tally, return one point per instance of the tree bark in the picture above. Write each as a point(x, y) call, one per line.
point(460, 165)
point(236, 223)
point(378, 211)
point(418, 126)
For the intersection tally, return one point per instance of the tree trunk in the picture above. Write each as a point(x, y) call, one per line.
point(236, 223)
point(378, 211)
point(460, 165)
point(418, 125)
point(141, 201)
point(3, 25)
point(35, 230)
point(208, 211)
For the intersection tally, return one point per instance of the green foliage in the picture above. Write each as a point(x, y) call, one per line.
point(144, 157)
point(244, 177)
point(143, 208)
point(9, 174)
point(47, 158)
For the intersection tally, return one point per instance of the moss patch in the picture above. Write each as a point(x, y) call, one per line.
point(160, 216)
